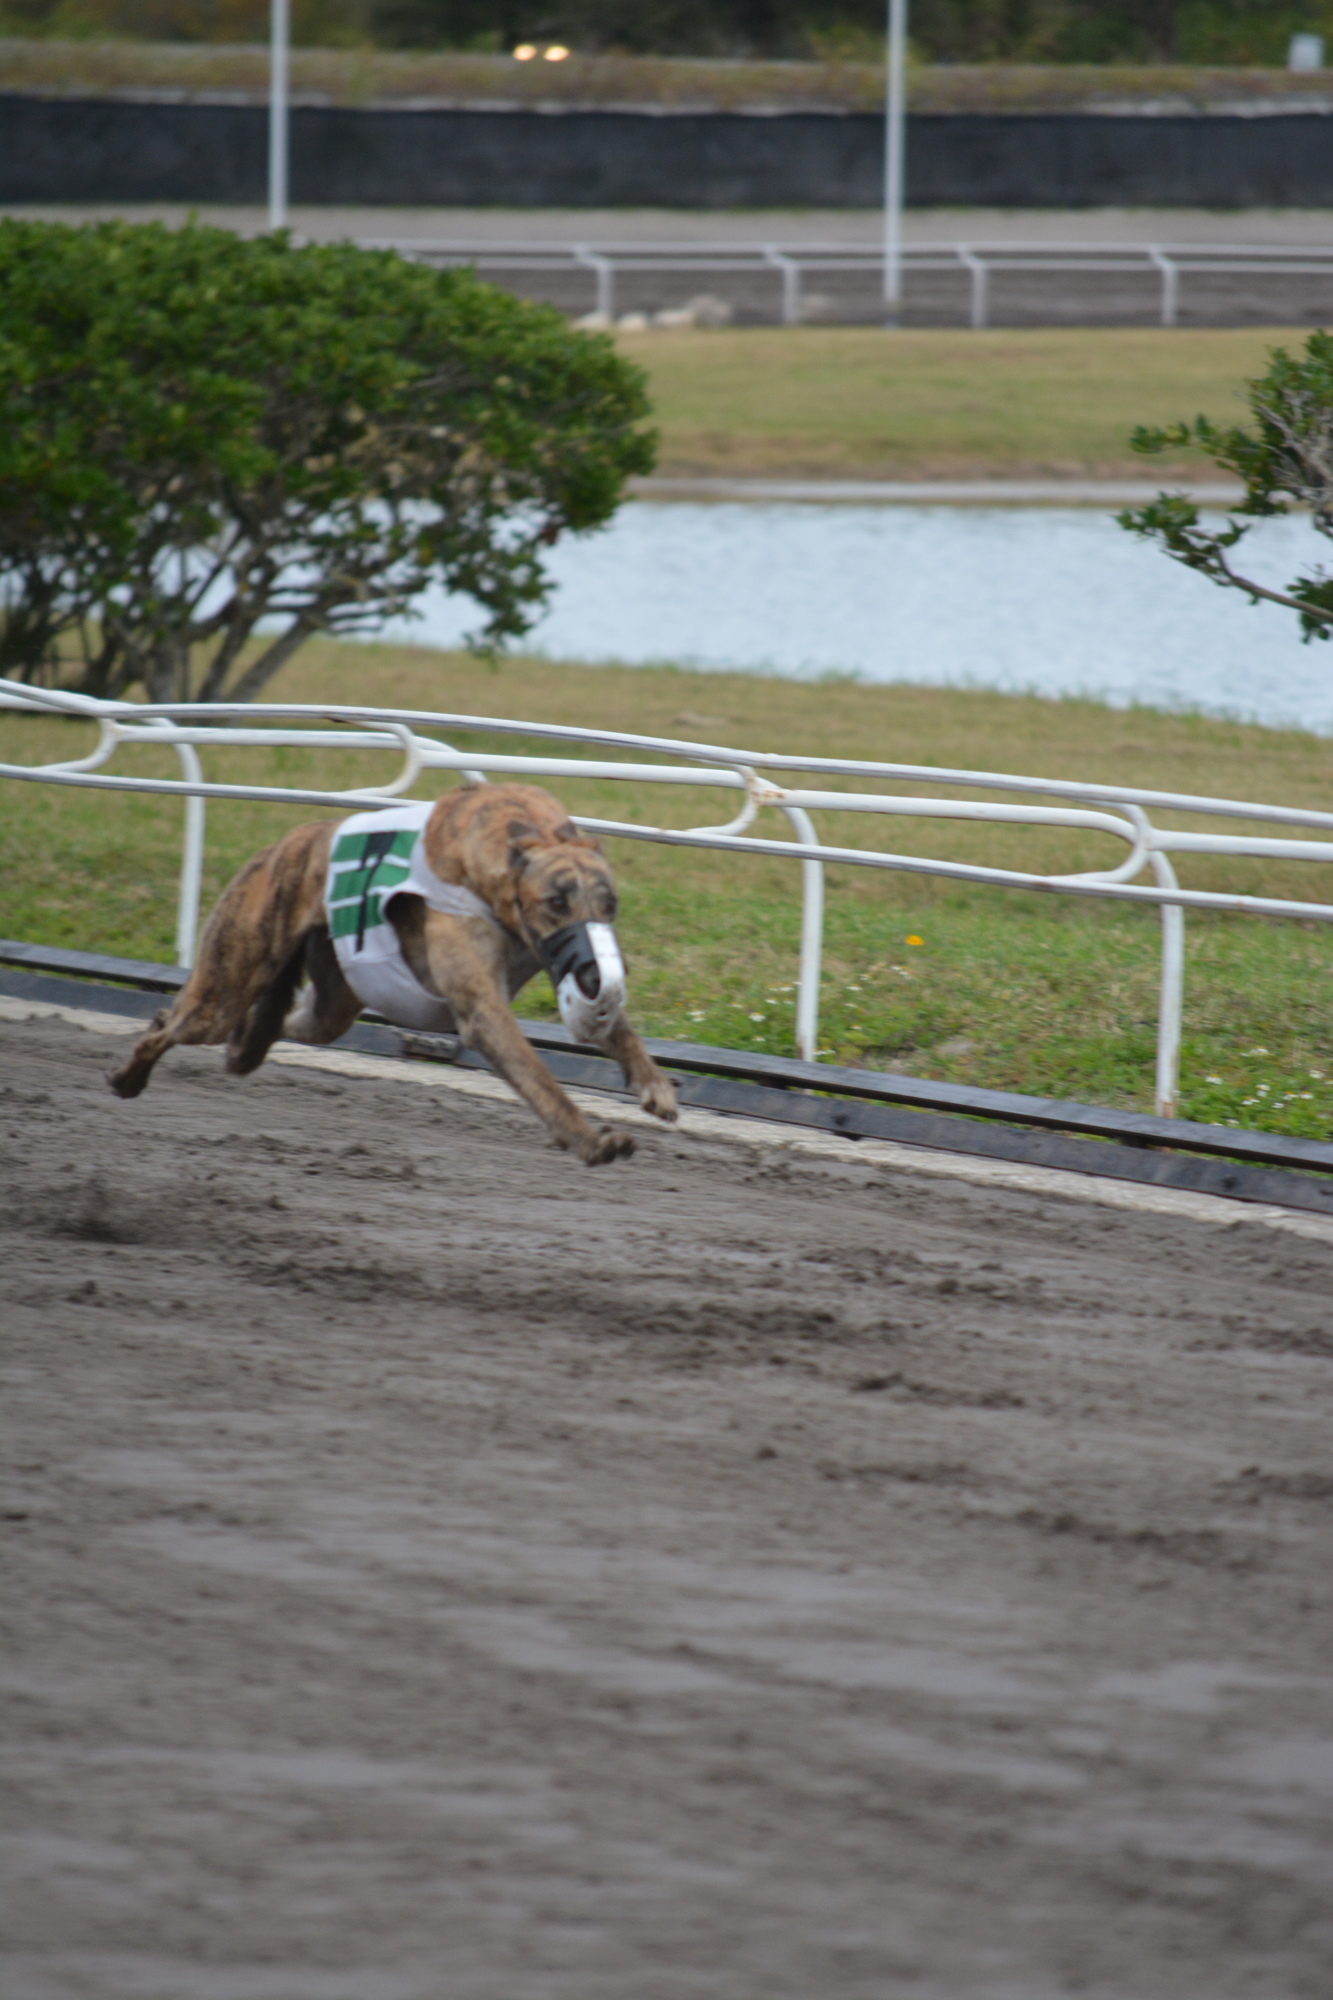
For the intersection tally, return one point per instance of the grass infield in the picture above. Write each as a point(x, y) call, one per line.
point(860, 403)
point(1002, 989)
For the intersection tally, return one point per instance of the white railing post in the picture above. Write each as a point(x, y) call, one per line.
point(1171, 996)
point(970, 261)
point(605, 273)
point(192, 860)
point(791, 283)
point(812, 938)
point(1170, 283)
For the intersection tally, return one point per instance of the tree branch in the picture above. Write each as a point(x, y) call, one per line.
point(1315, 611)
point(1273, 597)
point(263, 669)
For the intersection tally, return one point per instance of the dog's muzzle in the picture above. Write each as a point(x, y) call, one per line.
point(588, 975)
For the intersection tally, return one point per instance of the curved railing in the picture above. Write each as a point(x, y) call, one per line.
point(1120, 811)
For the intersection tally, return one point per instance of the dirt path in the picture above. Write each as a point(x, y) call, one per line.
point(445, 1574)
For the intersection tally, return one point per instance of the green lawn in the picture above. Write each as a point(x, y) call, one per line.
point(857, 402)
point(1006, 990)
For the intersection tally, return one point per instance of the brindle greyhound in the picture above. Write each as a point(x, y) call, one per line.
point(515, 849)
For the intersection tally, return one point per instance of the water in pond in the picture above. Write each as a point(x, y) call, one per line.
point(1058, 600)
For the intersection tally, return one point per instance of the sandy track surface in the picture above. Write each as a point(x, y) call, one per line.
point(443, 1573)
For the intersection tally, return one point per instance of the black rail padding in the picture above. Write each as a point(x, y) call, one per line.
point(93, 965)
point(1129, 1128)
point(947, 1133)
point(855, 1103)
point(132, 1002)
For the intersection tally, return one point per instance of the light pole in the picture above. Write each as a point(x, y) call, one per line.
point(895, 126)
point(277, 116)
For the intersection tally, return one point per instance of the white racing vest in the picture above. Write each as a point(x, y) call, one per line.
point(377, 856)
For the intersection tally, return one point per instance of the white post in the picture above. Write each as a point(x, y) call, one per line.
point(605, 273)
point(277, 115)
point(791, 283)
point(980, 284)
point(1171, 997)
point(812, 938)
point(1170, 284)
point(192, 860)
point(894, 161)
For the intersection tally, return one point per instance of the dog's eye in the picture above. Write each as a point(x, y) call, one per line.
point(558, 903)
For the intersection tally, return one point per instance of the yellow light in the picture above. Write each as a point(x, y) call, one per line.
point(524, 52)
point(556, 53)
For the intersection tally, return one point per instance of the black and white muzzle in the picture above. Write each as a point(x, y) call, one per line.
point(588, 975)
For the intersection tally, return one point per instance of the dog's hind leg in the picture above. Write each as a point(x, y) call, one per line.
point(327, 1006)
point(163, 1033)
point(256, 932)
point(255, 1035)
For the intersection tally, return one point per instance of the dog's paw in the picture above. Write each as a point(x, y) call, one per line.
point(658, 1098)
point(127, 1082)
point(605, 1144)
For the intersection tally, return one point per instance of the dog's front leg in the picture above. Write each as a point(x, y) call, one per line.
point(656, 1091)
point(491, 1029)
point(465, 969)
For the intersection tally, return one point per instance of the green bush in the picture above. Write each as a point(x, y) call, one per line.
point(203, 432)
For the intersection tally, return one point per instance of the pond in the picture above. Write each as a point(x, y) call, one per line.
point(1052, 600)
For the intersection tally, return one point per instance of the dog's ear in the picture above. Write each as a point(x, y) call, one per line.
point(569, 833)
point(523, 837)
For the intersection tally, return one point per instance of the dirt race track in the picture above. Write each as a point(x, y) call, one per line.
point(442, 1573)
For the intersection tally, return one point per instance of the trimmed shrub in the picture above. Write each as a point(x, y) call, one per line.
point(203, 433)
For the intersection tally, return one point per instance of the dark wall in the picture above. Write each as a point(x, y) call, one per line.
point(60, 149)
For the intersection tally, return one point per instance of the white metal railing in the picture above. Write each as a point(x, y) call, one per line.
point(792, 263)
point(1122, 812)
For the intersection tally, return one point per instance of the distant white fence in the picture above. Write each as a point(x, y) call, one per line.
point(791, 264)
point(1120, 811)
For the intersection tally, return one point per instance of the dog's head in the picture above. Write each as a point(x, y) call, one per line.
point(518, 849)
point(557, 893)
point(559, 878)
point(566, 903)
